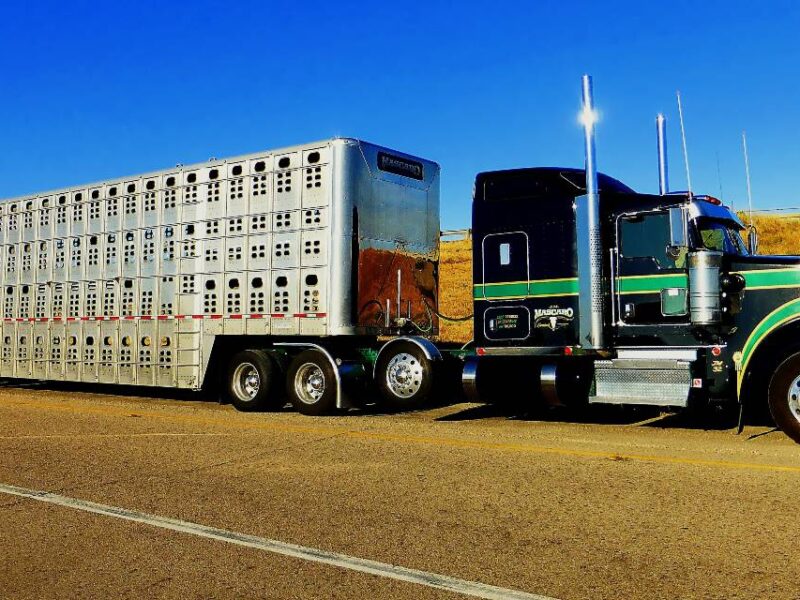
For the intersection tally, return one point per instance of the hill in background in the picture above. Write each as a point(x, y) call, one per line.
point(777, 234)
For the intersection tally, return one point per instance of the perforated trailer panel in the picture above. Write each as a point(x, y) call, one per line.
point(131, 280)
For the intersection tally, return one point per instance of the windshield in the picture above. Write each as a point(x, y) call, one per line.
point(721, 236)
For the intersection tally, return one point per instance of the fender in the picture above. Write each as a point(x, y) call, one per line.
point(428, 348)
point(340, 403)
point(781, 316)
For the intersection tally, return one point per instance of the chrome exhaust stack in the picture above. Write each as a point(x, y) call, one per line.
point(590, 249)
point(663, 173)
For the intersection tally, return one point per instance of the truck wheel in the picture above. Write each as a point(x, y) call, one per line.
point(251, 381)
point(404, 376)
point(311, 383)
point(784, 397)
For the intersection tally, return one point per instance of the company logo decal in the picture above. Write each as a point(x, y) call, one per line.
point(553, 318)
point(400, 166)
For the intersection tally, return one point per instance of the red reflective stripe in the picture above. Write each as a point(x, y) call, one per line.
point(165, 317)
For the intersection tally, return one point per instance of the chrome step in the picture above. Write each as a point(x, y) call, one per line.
point(654, 382)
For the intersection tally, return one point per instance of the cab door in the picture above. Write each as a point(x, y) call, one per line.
point(651, 278)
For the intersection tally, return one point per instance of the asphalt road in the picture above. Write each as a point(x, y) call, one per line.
point(615, 506)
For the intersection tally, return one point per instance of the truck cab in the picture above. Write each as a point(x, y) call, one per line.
point(688, 315)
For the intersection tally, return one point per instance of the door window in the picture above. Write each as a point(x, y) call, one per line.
point(646, 237)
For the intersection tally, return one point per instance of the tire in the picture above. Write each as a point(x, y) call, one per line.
point(311, 384)
point(784, 397)
point(250, 381)
point(404, 376)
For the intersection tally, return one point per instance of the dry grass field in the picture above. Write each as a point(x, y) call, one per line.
point(455, 289)
point(777, 235)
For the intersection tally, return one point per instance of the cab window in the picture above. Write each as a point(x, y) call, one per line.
point(720, 236)
point(646, 237)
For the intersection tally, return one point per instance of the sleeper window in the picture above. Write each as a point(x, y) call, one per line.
point(505, 254)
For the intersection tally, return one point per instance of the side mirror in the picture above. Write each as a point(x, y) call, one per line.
point(677, 227)
point(673, 252)
point(752, 239)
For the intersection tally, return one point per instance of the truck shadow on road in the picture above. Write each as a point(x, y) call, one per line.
point(707, 419)
point(455, 408)
point(121, 391)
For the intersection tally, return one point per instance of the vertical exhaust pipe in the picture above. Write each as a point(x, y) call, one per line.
point(591, 272)
point(663, 174)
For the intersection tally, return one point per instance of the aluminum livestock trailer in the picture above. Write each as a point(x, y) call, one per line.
point(287, 265)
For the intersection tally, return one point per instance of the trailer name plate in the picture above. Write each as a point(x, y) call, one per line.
point(400, 166)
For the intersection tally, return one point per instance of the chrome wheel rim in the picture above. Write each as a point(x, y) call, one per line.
point(309, 383)
point(793, 398)
point(246, 381)
point(404, 375)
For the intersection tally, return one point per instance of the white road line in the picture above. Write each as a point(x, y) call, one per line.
point(443, 582)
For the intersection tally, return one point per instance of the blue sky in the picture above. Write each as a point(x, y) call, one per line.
point(97, 90)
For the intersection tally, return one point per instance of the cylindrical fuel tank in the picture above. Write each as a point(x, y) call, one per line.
point(704, 292)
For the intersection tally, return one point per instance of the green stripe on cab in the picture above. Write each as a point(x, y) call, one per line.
point(771, 278)
point(529, 289)
point(651, 283)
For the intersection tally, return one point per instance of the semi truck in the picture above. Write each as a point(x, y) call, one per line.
point(311, 272)
point(590, 292)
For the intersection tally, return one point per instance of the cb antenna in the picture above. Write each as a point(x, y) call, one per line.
point(685, 150)
point(747, 174)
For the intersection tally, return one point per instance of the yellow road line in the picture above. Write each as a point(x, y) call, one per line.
point(414, 439)
point(106, 435)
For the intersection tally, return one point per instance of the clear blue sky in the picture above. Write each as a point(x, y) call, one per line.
point(97, 90)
